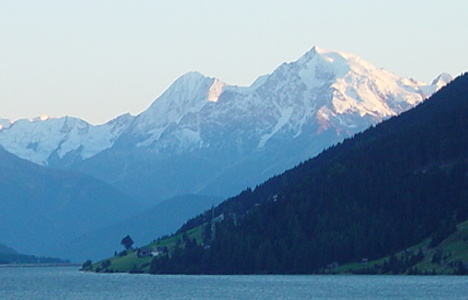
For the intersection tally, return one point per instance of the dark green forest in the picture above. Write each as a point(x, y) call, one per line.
point(379, 192)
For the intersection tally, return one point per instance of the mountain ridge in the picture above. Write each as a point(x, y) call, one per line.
point(250, 133)
point(191, 92)
point(203, 136)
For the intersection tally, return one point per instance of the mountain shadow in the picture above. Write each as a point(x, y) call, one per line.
point(41, 208)
point(161, 219)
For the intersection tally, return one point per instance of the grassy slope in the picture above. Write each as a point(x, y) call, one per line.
point(453, 248)
point(132, 261)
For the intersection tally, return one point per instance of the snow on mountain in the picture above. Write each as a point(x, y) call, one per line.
point(441, 81)
point(41, 139)
point(185, 98)
point(319, 99)
point(204, 136)
point(332, 89)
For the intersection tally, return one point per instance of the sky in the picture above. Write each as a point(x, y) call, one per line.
point(97, 59)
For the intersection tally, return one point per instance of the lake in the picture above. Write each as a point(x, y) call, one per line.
point(69, 283)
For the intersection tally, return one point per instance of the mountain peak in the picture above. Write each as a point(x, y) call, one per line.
point(316, 50)
point(187, 83)
point(328, 55)
point(442, 80)
point(323, 90)
point(4, 123)
point(191, 76)
point(194, 83)
point(190, 90)
point(309, 55)
point(189, 94)
point(331, 64)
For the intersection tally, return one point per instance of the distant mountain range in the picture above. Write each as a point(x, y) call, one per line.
point(200, 137)
point(203, 136)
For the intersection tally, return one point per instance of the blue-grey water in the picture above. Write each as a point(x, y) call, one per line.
point(68, 283)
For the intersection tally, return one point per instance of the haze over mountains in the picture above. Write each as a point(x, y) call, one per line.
point(206, 137)
point(41, 207)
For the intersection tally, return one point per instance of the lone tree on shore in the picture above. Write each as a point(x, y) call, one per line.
point(127, 242)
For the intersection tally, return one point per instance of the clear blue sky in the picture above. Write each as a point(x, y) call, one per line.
point(96, 59)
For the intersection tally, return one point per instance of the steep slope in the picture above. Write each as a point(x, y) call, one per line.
point(380, 192)
point(448, 257)
point(154, 222)
point(204, 136)
point(41, 208)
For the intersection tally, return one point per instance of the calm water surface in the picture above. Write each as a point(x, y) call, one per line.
point(68, 283)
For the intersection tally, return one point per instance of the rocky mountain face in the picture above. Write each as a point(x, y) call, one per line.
point(203, 136)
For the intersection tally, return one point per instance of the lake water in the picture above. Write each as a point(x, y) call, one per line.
point(68, 283)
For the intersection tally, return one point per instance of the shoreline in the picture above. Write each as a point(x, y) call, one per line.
point(39, 265)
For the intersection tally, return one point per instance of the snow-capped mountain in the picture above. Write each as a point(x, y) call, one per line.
point(174, 112)
point(323, 89)
point(47, 141)
point(204, 136)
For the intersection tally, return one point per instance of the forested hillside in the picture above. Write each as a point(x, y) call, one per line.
point(377, 193)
